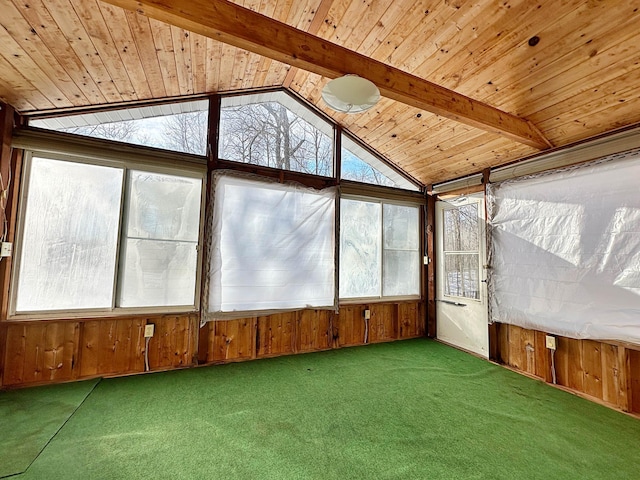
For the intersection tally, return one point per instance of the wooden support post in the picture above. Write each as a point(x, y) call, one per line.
point(430, 232)
point(7, 114)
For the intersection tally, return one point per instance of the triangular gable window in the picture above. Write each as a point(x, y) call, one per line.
point(361, 165)
point(272, 129)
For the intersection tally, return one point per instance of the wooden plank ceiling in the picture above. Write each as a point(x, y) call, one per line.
point(571, 68)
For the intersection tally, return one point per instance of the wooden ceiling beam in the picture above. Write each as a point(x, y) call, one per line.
point(235, 25)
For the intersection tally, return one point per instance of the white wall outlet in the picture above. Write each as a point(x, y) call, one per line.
point(550, 341)
point(367, 314)
point(148, 330)
point(6, 248)
point(426, 260)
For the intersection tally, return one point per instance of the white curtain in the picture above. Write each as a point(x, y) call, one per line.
point(272, 248)
point(565, 250)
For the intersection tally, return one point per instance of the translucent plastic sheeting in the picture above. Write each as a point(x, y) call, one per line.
point(272, 248)
point(70, 236)
point(360, 252)
point(160, 250)
point(565, 250)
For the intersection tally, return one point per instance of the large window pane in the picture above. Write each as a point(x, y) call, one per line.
point(160, 250)
point(70, 235)
point(461, 275)
point(181, 127)
point(461, 237)
point(272, 248)
point(461, 228)
point(274, 130)
point(360, 249)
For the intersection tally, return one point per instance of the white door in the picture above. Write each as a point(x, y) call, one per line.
point(461, 288)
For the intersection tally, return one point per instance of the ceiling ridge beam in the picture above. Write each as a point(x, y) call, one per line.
point(240, 27)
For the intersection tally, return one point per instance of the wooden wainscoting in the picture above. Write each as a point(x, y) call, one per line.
point(57, 351)
point(54, 351)
point(309, 331)
point(606, 372)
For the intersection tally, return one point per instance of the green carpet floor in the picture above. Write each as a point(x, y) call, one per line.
point(406, 410)
point(30, 418)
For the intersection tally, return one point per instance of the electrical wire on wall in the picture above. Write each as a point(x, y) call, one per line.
point(146, 353)
point(366, 330)
point(4, 195)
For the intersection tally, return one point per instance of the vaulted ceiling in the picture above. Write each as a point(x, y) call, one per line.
point(571, 69)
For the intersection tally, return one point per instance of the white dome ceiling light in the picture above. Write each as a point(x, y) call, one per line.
point(350, 94)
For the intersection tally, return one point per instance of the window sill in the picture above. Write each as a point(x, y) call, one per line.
point(75, 315)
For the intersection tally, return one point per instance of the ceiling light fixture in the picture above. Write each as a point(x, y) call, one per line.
point(350, 94)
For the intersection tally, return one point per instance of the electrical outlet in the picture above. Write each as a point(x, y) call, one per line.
point(550, 342)
point(426, 260)
point(367, 314)
point(148, 330)
point(5, 249)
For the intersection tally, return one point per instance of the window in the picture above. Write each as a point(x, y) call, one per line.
point(272, 247)
point(461, 251)
point(361, 165)
point(70, 236)
point(70, 240)
point(181, 127)
point(160, 240)
point(274, 130)
point(379, 249)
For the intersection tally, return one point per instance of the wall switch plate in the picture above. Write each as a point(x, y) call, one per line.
point(148, 330)
point(550, 341)
point(5, 249)
point(426, 260)
point(367, 314)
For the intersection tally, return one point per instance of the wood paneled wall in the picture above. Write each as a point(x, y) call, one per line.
point(57, 351)
point(309, 331)
point(605, 372)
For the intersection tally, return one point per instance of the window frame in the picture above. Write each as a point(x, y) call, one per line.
point(476, 253)
point(300, 109)
point(382, 298)
point(132, 162)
